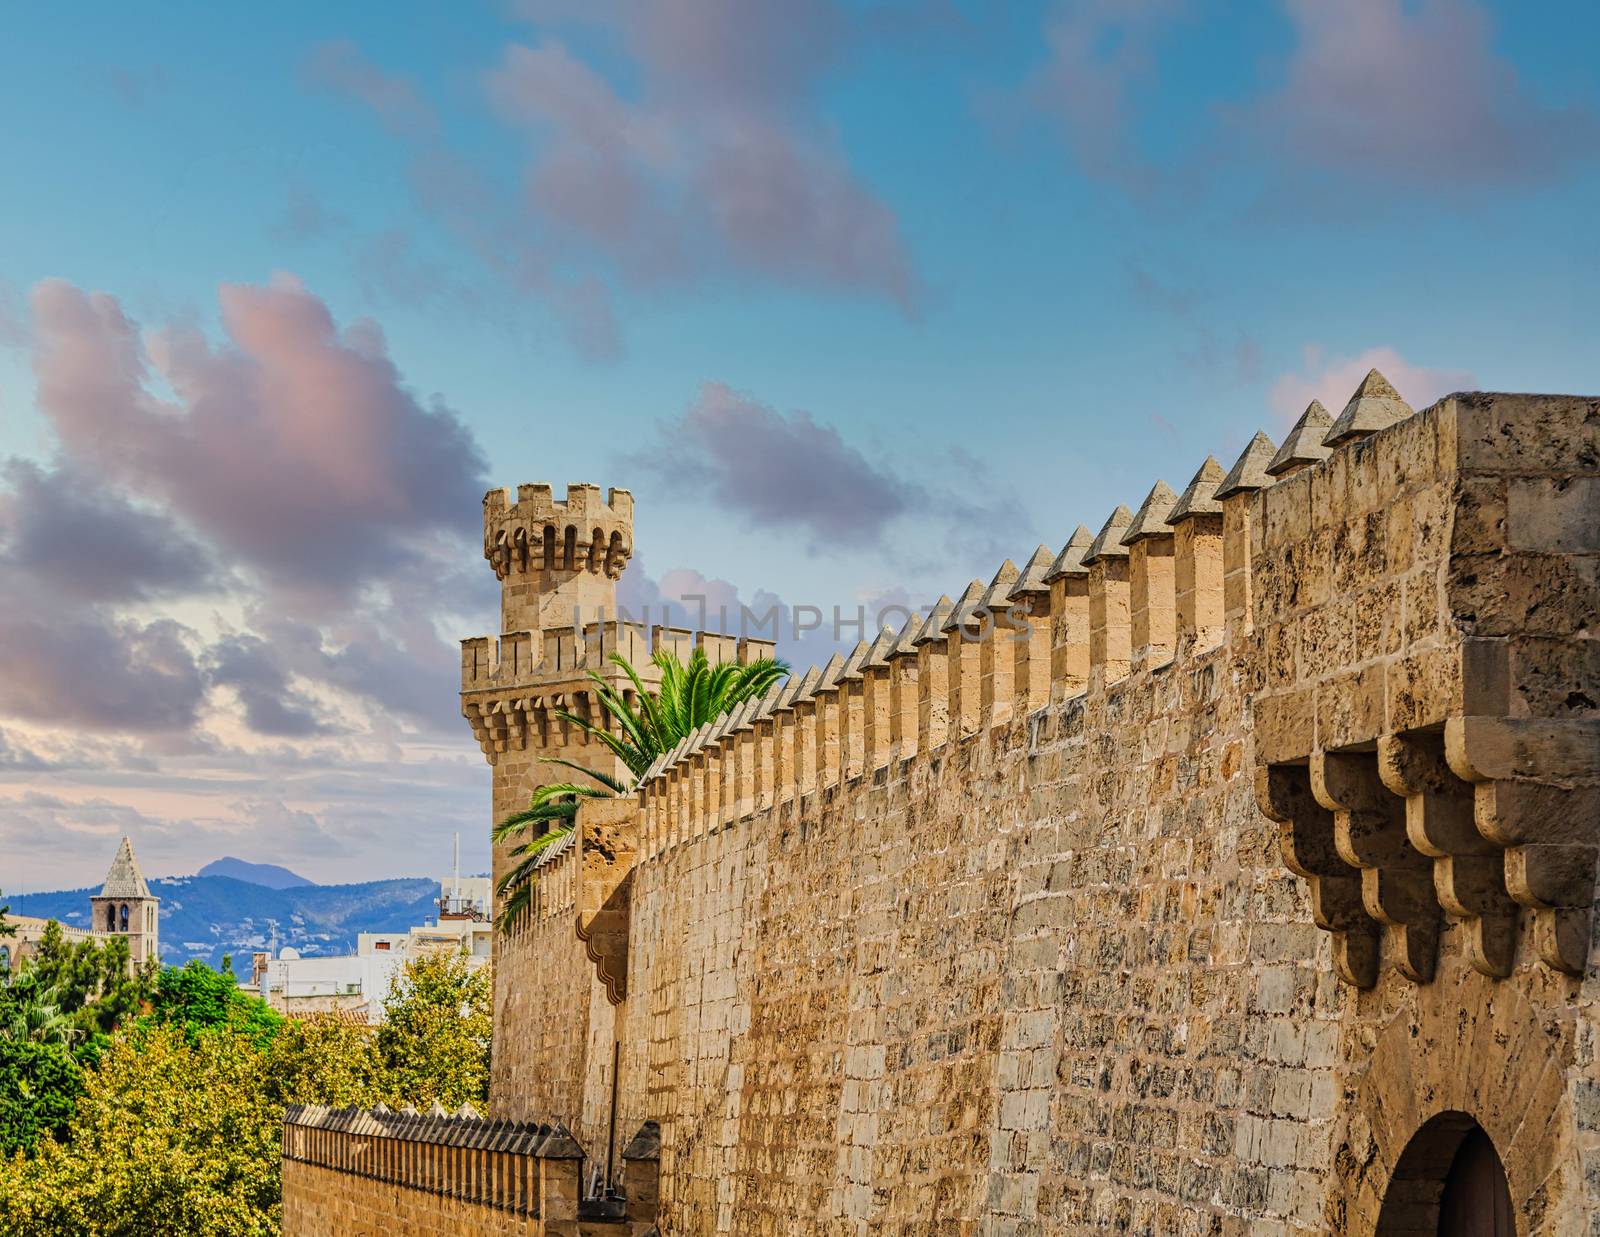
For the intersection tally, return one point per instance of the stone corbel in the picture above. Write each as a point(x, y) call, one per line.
point(1306, 841)
point(1536, 793)
point(1369, 831)
point(608, 840)
point(1468, 868)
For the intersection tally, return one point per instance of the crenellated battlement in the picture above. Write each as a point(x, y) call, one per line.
point(521, 679)
point(536, 532)
point(1320, 562)
point(557, 561)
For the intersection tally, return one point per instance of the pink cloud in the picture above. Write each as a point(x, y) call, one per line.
point(341, 67)
point(295, 445)
point(1414, 92)
point(1333, 379)
point(1100, 53)
point(712, 165)
point(713, 168)
point(83, 669)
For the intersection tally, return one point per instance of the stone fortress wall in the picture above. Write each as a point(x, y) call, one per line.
point(1224, 870)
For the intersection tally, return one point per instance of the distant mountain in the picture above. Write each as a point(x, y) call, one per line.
point(207, 916)
point(268, 874)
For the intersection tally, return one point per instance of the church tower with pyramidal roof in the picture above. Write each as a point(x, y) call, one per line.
point(125, 907)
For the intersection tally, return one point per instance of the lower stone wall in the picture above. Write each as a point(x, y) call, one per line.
point(354, 1173)
point(544, 1067)
point(321, 1202)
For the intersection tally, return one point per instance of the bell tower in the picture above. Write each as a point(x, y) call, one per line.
point(125, 907)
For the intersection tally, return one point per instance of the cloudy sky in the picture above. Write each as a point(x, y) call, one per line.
point(857, 298)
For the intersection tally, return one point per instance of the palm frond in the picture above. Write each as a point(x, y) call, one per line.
point(514, 908)
point(605, 779)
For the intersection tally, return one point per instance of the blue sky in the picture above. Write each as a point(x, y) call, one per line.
point(946, 279)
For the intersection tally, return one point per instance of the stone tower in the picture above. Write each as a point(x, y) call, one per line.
point(558, 563)
point(125, 907)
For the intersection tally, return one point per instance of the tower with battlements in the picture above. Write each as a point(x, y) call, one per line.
point(126, 907)
point(558, 562)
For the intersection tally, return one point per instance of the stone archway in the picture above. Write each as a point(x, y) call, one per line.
point(1468, 1053)
point(1450, 1181)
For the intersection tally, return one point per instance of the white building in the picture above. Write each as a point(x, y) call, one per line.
point(355, 985)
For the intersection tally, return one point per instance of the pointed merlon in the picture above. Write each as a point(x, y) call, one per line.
point(560, 1145)
point(747, 715)
point(646, 1144)
point(1108, 541)
point(808, 686)
point(1303, 446)
point(966, 608)
point(1249, 471)
point(995, 597)
point(856, 662)
point(829, 682)
point(905, 642)
point(1376, 405)
point(1031, 580)
point(802, 690)
point(933, 627)
point(1200, 496)
point(1151, 518)
point(1070, 561)
point(785, 700)
point(770, 701)
point(882, 648)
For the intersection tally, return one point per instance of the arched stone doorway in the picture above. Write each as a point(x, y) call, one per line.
point(1460, 1055)
point(1449, 1181)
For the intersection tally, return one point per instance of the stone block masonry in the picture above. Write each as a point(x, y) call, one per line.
point(1226, 870)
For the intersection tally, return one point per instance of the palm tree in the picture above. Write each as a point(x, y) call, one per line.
point(651, 725)
point(31, 1013)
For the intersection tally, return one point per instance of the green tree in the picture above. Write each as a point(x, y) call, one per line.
point(175, 1133)
point(323, 1059)
point(39, 1088)
point(95, 984)
point(648, 727)
point(7, 928)
point(199, 999)
point(173, 1137)
point(434, 1041)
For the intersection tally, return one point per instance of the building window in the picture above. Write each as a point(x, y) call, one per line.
point(5, 957)
point(111, 919)
point(124, 918)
